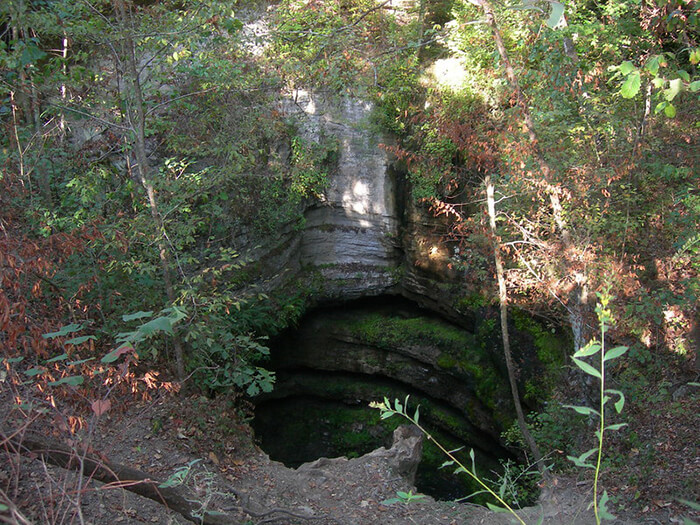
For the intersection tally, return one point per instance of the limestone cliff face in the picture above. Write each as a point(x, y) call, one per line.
point(350, 237)
point(364, 237)
point(389, 346)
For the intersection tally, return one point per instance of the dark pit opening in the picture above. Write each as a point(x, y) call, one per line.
point(339, 359)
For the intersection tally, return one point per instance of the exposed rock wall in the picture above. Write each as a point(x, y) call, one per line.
point(330, 355)
point(363, 237)
point(351, 236)
point(367, 238)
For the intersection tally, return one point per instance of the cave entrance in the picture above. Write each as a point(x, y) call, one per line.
point(341, 358)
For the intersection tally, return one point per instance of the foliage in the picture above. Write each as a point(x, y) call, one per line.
point(403, 497)
point(517, 484)
point(612, 89)
point(388, 410)
point(217, 173)
point(222, 360)
point(606, 394)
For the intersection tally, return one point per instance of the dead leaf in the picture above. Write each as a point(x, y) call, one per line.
point(101, 406)
point(213, 458)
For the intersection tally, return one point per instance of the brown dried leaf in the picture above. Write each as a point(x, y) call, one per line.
point(100, 406)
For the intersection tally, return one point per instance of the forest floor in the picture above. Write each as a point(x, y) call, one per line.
point(227, 473)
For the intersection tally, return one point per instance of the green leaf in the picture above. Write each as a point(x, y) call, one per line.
point(660, 107)
point(603, 507)
point(694, 86)
point(159, 324)
point(586, 411)
point(12, 360)
point(231, 24)
point(81, 339)
point(580, 461)
point(590, 349)
point(616, 426)
point(631, 86)
point(627, 67)
point(682, 73)
point(112, 356)
point(587, 368)
point(80, 361)
point(69, 329)
point(495, 508)
point(555, 15)
point(57, 358)
point(652, 64)
point(34, 371)
point(70, 380)
point(620, 402)
point(695, 56)
point(175, 313)
point(4, 507)
point(31, 54)
point(615, 352)
point(674, 87)
point(137, 315)
point(670, 110)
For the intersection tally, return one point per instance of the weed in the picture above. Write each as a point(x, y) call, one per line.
point(592, 348)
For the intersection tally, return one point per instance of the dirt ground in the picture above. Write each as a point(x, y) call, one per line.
point(229, 477)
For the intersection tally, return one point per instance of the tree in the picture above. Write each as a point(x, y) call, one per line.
point(579, 294)
point(136, 119)
point(503, 303)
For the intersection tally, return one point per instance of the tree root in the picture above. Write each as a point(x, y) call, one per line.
point(138, 482)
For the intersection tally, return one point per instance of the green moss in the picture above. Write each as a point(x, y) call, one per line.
point(549, 345)
point(550, 351)
point(471, 302)
point(467, 356)
point(389, 332)
point(446, 361)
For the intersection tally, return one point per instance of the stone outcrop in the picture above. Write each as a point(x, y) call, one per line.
point(363, 237)
point(339, 353)
point(366, 238)
point(351, 236)
point(401, 459)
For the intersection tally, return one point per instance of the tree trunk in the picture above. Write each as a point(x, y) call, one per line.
point(137, 122)
point(64, 89)
point(503, 302)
